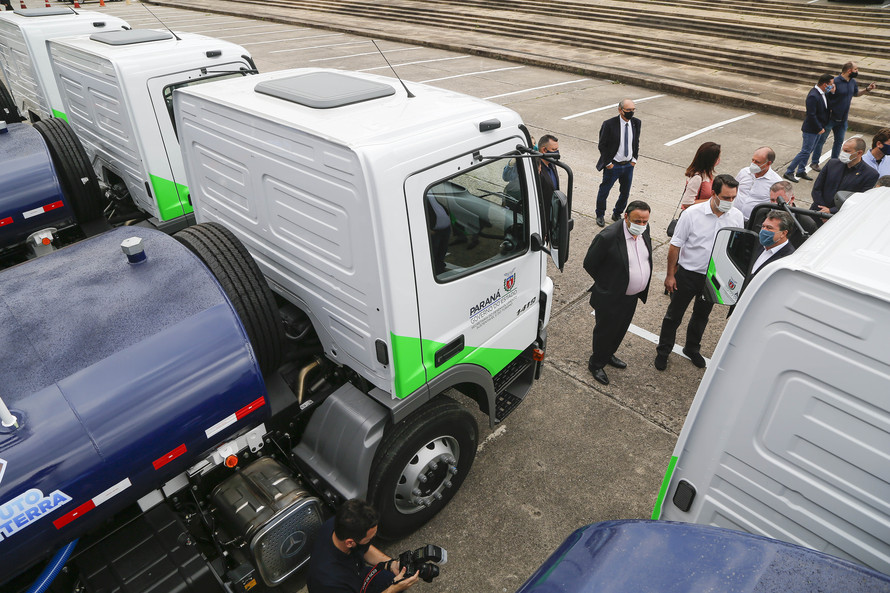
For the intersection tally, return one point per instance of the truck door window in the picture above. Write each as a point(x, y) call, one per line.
point(168, 90)
point(477, 218)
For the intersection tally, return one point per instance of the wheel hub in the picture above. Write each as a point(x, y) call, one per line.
point(427, 475)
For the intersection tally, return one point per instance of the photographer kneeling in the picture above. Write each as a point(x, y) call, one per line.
point(344, 561)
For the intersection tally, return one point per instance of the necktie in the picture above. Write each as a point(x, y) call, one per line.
point(626, 143)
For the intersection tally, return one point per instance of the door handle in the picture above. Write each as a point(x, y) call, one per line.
point(449, 350)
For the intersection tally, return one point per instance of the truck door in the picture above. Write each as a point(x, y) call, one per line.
point(165, 168)
point(471, 224)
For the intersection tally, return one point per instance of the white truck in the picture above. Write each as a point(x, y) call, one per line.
point(789, 433)
point(117, 88)
point(387, 219)
point(24, 57)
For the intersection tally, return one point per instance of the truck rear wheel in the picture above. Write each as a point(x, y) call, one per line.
point(421, 464)
point(76, 176)
point(224, 255)
point(8, 111)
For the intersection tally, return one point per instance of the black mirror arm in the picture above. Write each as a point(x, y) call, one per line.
point(781, 202)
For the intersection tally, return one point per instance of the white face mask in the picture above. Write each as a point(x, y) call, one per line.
point(636, 229)
point(845, 157)
point(724, 205)
point(755, 168)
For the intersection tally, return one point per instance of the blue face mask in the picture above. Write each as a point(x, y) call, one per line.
point(767, 238)
point(885, 148)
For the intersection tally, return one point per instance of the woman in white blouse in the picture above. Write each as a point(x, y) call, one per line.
point(700, 174)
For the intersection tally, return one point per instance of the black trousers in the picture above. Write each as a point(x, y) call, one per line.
point(612, 321)
point(689, 286)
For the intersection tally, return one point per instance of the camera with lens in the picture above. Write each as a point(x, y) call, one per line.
point(421, 560)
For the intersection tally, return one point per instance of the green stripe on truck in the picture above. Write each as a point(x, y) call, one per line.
point(172, 198)
point(656, 512)
point(60, 115)
point(413, 369)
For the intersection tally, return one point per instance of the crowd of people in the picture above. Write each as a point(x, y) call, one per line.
point(619, 258)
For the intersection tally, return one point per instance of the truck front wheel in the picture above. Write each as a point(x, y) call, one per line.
point(420, 465)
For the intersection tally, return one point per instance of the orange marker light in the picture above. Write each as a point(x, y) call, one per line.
point(47, 240)
point(231, 461)
point(538, 354)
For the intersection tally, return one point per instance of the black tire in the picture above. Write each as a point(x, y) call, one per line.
point(76, 176)
point(8, 111)
point(240, 277)
point(424, 443)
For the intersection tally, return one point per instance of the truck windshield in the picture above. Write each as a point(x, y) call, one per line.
point(477, 219)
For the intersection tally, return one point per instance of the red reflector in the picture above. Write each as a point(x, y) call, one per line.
point(69, 517)
point(6, 221)
point(165, 459)
point(250, 408)
point(538, 354)
point(53, 206)
point(231, 461)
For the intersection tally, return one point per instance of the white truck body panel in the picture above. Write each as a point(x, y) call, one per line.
point(789, 432)
point(330, 204)
point(114, 98)
point(24, 56)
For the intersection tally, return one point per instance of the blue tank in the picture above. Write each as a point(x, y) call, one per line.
point(30, 195)
point(121, 376)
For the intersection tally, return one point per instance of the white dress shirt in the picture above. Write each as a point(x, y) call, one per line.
point(767, 253)
point(637, 262)
point(695, 233)
point(753, 190)
point(620, 156)
point(824, 98)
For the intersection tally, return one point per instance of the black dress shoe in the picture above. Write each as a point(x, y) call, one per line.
point(815, 167)
point(661, 362)
point(790, 177)
point(696, 358)
point(600, 221)
point(600, 375)
point(804, 176)
point(617, 362)
point(616, 217)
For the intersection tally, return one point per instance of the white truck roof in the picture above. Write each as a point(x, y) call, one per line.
point(149, 49)
point(853, 250)
point(24, 55)
point(378, 120)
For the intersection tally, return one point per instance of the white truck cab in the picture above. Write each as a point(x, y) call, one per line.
point(24, 57)
point(789, 433)
point(410, 229)
point(117, 88)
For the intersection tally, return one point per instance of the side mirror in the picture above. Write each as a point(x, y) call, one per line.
point(841, 197)
point(730, 260)
point(560, 228)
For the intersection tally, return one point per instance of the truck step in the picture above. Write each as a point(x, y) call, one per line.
point(509, 374)
point(504, 404)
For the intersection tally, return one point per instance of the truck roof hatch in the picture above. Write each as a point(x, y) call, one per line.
point(44, 11)
point(129, 37)
point(325, 90)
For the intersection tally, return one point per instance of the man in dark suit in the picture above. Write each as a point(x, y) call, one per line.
point(620, 262)
point(846, 173)
point(813, 127)
point(774, 243)
point(619, 146)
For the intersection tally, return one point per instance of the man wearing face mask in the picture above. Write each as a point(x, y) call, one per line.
point(755, 180)
point(846, 173)
point(774, 243)
point(813, 127)
point(878, 158)
point(619, 146)
point(688, 257)
point(839, 100)
point(620, 262)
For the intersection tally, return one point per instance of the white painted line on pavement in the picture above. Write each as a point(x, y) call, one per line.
point(247, 27)
point(827, 155)
point(281, 51)
point(498, 432)
point(370, 53)
point(612, 106)
point(537, 88)
point(254, 34)
point(647, 335)
point(293, 39)
point(470, 74)
point(886, 5)
point(412, 63)
point(812, 1)
point(708, 129)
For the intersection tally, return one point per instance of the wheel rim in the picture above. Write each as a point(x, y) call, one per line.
point(427, 475)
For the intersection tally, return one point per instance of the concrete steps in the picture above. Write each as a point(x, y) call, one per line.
point(723, 50)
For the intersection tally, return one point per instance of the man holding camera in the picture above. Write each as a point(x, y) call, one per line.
point(344, 561)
